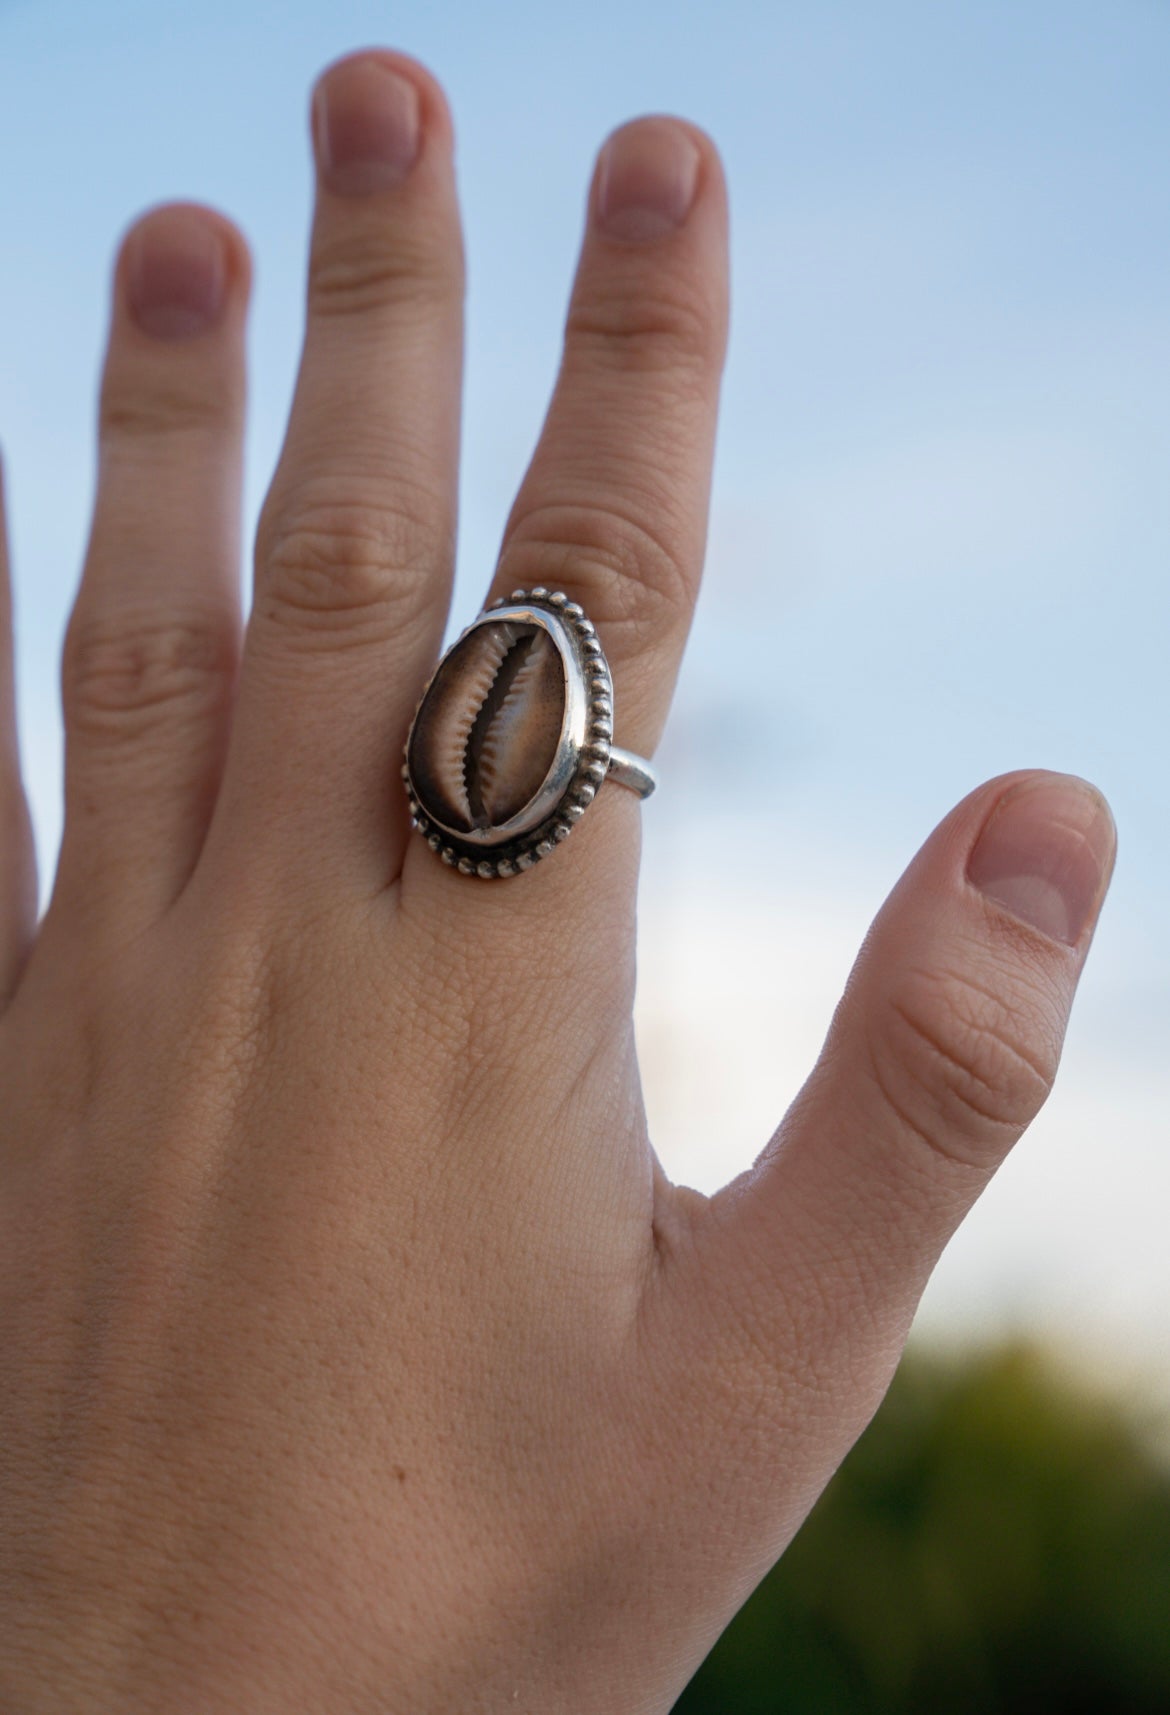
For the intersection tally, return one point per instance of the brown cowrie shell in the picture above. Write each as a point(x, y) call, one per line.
point(513, 729)
point(488, 730)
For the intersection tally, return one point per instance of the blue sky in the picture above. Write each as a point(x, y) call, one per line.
point(941, 526)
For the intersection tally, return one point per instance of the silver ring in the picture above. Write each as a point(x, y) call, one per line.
point(513, 737)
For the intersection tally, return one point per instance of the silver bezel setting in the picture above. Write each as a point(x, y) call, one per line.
point(583, 752)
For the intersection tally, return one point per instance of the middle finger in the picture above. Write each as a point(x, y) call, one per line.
point(355, 546)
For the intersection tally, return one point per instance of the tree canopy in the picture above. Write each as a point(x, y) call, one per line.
point(997, 1542)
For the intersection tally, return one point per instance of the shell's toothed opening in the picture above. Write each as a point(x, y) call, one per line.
point(489, 727)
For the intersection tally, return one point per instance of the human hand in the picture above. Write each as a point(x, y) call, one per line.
point(357, 1355)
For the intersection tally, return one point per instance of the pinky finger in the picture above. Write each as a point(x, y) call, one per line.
point(18, 868)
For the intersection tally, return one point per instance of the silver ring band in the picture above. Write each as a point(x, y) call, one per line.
point(513, 737)
point(633, 772)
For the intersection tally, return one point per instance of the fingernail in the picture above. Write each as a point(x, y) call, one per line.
point(647, 179)
point(1045, 855)
point(176, 274)
point(366, 123)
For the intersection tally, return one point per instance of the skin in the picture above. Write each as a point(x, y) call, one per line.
point(357, 1354)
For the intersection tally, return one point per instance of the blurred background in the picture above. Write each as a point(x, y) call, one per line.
point(940, 546)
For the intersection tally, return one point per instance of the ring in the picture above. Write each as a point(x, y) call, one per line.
point(513, 736)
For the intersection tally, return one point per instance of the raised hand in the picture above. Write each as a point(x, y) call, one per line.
point(357, 1355)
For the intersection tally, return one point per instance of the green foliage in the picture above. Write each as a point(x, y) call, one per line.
point(997, 1542)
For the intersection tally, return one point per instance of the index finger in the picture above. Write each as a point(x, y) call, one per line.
point(613, 509)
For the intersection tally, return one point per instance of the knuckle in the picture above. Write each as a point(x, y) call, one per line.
point(372, 268)
point(665, 327)
point(161, 411)
point(631, 579)
point(966, 1066)
point(355, 563)
point(124, 670)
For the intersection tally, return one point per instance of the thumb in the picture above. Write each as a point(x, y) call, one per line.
point(807, 1270)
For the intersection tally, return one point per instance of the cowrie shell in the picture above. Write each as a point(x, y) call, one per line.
point(499, 736)
point(488, 730)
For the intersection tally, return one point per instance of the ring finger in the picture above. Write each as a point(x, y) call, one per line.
point(150, 653)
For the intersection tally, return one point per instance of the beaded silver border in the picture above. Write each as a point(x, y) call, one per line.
point(592, 759)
